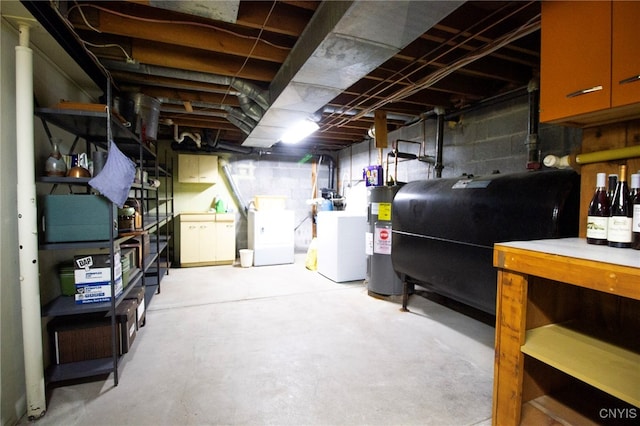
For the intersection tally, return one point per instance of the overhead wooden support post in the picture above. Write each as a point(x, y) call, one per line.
point(380, 127)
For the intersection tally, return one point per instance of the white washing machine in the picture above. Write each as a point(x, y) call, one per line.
point(270, 235)
point(341, 245)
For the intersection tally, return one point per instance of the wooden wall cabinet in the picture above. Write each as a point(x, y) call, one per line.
point(590, 62)
point(197, 168)
point(567, 320)
point(206, 239)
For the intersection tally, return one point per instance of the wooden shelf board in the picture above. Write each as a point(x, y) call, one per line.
point(550, 411)
point(602, 365)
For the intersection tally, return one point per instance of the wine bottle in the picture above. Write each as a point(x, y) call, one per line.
point(635, 186)
point(619, 229)
point(613, 181)
point(599, 212)
point(635, 222)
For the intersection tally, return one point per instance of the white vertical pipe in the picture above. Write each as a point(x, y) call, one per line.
point(28, 230)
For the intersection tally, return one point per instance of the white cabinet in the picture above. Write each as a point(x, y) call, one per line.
point(206, 239)
point(271, 236)
point(225, 239)
point(341, 245)
point(197, 168)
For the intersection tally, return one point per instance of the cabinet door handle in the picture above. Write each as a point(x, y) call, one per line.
point(630, 79)
point(584, 91)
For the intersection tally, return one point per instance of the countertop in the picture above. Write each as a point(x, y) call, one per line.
point(207, 216)
point(579, 249)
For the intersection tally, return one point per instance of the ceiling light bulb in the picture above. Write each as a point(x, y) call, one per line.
point(299, 131)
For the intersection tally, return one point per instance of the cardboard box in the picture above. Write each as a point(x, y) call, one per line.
point(92, 275)
point(269, 202)
point(137, 294)
point(126, 318)
point(140, 243)
point(127, 260)
point(78, 217)
point(97, 292)
point(96, 267)
point(87, 337)
point(74, 341)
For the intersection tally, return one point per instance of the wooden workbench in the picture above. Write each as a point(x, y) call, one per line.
point(567, 323)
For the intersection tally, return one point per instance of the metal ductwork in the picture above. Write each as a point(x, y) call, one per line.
point(253, 92)
point(244, 127)
point(234, 112)
point(235, 191)
point(343, 42)
point(250, 108)
point(253, 100)
point(234, 115)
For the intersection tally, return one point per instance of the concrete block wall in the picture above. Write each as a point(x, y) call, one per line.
point(479, 142)
point(278, 176)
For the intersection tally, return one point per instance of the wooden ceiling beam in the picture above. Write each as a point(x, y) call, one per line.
point(173, 56)
point(284, 19)
point(211, 38)
point(212, 98)
point(145, 80)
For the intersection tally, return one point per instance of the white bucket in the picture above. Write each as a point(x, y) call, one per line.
point(246, 258)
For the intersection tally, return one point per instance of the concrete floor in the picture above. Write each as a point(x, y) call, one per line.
point(282, 345)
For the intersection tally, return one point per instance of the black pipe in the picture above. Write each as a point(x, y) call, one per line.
point(533, 151)
point(504, 97)
point(439, 142)
point(332, 171)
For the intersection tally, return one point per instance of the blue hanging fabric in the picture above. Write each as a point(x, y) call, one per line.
point(115, 179)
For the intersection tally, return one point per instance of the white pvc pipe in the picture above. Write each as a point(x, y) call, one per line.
point(28, 231)
point(195, 136)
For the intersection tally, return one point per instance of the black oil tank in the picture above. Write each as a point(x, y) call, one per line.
point(444, 229)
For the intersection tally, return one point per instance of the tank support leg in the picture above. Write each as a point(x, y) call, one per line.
point(405, 294)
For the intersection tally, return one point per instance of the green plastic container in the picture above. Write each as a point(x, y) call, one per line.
point(126, 267)
point(67, 280)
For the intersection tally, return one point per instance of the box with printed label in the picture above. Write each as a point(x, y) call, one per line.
point(96, 268)
point(97, 292)
point(137, 294)
point(126, 316)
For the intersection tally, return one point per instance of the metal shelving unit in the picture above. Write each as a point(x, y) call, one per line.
point(160, 224)
point(93, 127)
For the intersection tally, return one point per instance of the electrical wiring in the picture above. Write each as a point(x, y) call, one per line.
point(71, 28)
point(84, 18)
point(257, 39)
point(246, 59)
point(190, 23)
point(129, 58)
point(428, 59)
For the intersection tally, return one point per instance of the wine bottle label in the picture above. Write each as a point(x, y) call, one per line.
point(635, 223)
point(619, 229)
point(597, 227)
